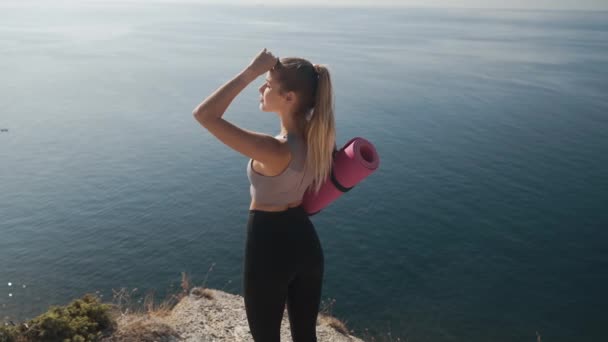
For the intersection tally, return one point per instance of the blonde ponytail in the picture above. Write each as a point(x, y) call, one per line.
point(320, 131)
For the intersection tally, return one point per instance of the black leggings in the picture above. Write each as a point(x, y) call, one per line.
point(283, 263)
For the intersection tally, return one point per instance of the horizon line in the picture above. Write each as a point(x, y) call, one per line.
point(299, 5)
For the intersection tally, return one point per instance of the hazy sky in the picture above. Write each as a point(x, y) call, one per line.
point(524, 4)
point(546, 4)
point(515, 4)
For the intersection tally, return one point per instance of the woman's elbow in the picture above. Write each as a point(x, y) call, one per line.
point(196, 111)
point(199, 116)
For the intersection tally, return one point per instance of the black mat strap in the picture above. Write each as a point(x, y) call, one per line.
point(337, 184)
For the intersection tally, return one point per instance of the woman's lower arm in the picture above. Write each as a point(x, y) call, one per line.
point(216, 104)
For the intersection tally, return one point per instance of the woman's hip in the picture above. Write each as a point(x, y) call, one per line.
point(282, 234)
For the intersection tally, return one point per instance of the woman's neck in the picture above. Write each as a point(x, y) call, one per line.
point(292, 128)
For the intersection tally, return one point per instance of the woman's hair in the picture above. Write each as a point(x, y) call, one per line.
point(312, 84)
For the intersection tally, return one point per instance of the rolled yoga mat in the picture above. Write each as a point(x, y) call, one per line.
point(351, 164)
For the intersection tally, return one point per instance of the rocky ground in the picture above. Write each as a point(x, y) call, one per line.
point(209, 315)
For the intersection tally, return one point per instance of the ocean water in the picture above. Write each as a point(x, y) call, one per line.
point(486, 221)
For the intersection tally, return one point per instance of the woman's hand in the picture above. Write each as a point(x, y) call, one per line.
point(263, 62)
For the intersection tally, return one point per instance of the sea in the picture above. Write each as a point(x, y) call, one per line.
point(487, 219)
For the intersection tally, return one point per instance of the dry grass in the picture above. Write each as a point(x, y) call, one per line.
point(326, 318)
point(122, 301)
point(142, 328)
point(333, 322)
point(201, 292)
point(144, 322)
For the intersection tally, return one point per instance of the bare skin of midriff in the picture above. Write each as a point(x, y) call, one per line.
point(255, 206)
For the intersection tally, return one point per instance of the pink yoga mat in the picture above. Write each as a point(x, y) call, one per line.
point(352, 163)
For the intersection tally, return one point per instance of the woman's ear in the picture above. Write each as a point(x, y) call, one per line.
point(290, 96)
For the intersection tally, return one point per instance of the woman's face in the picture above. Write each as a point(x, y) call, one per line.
point(270, 98)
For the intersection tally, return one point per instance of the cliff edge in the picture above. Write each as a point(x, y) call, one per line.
point(209, 315)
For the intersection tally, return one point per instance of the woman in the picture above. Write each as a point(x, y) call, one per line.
point(283, 256)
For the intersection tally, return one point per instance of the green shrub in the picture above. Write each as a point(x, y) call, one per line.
point(83, 320)
point(8, 334)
